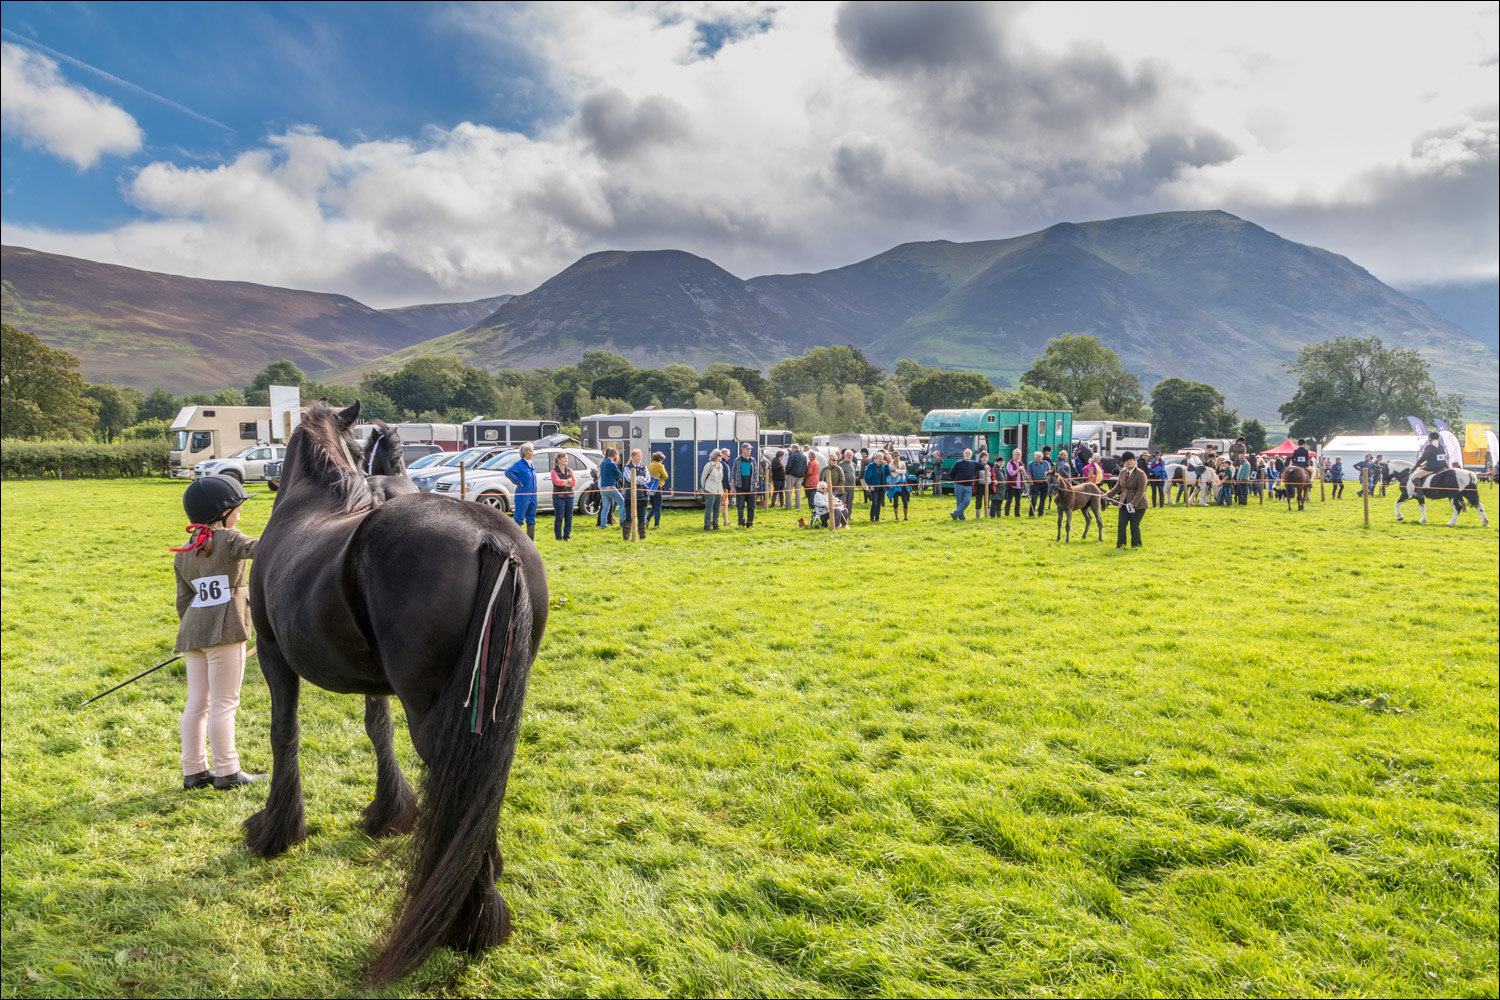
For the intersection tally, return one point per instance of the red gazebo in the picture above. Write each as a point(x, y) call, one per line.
point(1284, 450)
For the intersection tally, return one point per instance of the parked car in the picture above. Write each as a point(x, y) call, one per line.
point(411, 453)
point(488, 484)
point(428, 461)
point(246, 465)
point(469, 458)
point(273, 475)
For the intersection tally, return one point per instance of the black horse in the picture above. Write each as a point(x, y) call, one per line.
point(1457, 485)
point(439, 602)
point(384, 464)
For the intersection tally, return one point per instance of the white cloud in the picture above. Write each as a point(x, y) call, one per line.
point(69, 121)
point(791, 148)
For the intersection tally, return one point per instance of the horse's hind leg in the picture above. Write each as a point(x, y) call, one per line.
point(395, 807)
point(282, 822)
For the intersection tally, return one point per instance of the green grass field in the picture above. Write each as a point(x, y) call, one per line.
point(1257, 757)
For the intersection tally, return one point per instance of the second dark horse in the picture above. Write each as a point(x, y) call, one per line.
point(359, 596)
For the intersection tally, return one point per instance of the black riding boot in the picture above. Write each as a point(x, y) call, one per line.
point(531, 532)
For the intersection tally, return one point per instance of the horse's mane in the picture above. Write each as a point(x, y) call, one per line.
point(320, 451)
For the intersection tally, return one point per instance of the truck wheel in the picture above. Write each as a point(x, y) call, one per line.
point(495, 500)
point(234, 474)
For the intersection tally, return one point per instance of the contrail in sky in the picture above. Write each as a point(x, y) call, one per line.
point(111, 77)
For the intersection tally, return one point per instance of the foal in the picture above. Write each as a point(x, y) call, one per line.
point(1085, 497)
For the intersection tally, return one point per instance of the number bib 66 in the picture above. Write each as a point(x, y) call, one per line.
point(209, 591)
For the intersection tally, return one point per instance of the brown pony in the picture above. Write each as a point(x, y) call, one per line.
point(1068, 498)
point(1299, 481)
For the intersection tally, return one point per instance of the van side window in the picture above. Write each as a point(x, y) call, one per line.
point(201, 440)
point(247, 431)
point(672, 432)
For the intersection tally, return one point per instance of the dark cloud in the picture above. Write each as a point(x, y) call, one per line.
point(968, 69)
point(618, 127)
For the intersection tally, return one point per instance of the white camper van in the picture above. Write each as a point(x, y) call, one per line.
point(200, 433)
point(1112, 437)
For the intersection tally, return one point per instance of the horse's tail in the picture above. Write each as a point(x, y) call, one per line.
point(468, 740)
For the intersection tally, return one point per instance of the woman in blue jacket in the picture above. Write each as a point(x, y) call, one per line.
point(878, 477)
point(523, 474)
point(609, 488)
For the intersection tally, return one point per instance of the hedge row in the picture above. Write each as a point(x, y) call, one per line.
point(82, 459)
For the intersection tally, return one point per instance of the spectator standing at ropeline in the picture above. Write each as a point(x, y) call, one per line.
point(936, 462)
point(1064, 465)
point(986, 483)
point(796, 469)
point(610, 497)
point(965, 472)
point(1036, 472)
point(850, 468)
point(1242, 480)
point(1130, 492)
point(1157, 473)
point(1369, 471)
point(523, 474)
point(833, 477)
point(1336, 478)
point(1385, 472)
point(634, 474)
point(810, 481)
point(1015, 482)
point(657, 470)
point(746, 485)
point(563, 484)
point(859, 472)
point(876, 479)
point(711, 485)
point(900, 492)
point(726, 462)
point(213, 604)
point(778, 480)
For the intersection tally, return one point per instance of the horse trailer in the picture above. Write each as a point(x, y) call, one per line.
point(685, 437)
point(600, 429)
point(1113, 437)
point(997, 431)
point(447, 437)
point(480, 431)
point(776, 440)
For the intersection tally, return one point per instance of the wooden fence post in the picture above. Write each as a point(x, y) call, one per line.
point(1322, 483)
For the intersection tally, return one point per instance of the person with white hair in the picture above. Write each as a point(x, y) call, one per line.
point(965, 474)
point(711, 483)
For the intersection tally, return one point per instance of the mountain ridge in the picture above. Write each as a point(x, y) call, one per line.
point(1201, 295)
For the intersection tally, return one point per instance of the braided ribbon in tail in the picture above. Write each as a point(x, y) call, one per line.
point(479, 679)
point(204, 533)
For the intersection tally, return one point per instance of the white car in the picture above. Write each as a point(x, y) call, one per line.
point(488, 483)
point(245, 466)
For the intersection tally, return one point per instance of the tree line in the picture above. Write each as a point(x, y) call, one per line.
point(1343, 385)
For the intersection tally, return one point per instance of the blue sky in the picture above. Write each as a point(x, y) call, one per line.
point(423, 152)
point(354, 71)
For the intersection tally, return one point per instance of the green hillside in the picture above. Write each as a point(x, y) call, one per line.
point(146, 329)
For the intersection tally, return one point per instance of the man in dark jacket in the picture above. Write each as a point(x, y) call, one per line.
point(965, 474)
point(1130, 492)
point(796, 468)
point(746, 486)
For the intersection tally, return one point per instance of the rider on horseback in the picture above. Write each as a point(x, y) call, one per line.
point(1429, 464)
point(1302, 458)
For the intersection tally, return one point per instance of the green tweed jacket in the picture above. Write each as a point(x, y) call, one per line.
point(212, 599)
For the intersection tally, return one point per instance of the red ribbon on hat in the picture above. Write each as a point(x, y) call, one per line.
point(204, 533)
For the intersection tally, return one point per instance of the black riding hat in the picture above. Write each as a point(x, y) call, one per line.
point(1129, 456)
point(210, 498)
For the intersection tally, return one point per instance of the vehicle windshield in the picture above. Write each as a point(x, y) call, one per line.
point(182, 439)
point(429, 460)
point(504, 460)
point(244, 452)
point(951, 445)
point(465, 457)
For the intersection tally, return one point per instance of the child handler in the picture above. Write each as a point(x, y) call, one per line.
point(214, 606)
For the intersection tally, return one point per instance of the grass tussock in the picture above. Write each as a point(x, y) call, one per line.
point(919, 758)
